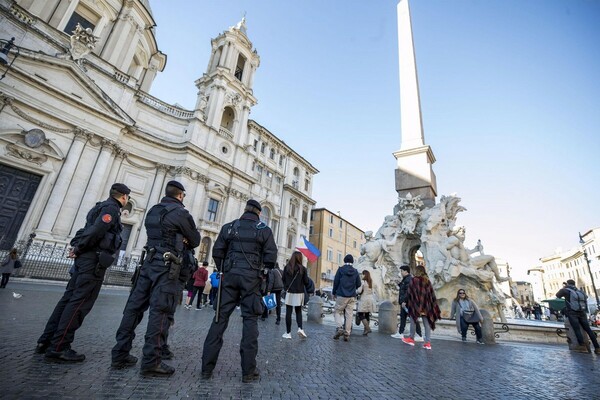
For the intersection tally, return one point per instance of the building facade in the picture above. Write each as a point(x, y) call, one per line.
point(76, 116)
point(571, 264)
point(334, 237)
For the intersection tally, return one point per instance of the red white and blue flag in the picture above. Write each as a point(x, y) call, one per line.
point(309, 250)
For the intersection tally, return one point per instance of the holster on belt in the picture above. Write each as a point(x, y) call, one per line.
point(173, 263)
point(105, 260)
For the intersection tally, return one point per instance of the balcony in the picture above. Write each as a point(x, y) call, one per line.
point(225, 133)
point(164, 107)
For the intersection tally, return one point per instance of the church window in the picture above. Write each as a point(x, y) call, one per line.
point(263, 146)
point(213, 208)
point(281, 159)
point(272, 154)
point(305, 215)
point(306, 184)
point(227, 119)
point(84, 16)
point(255, 146)
point(239, 68)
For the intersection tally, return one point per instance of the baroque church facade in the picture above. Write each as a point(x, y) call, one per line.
point(76, 116)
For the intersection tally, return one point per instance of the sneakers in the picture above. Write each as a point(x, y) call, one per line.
point(597, 350)
point(427, 345)
point(464, 338)
point(338, 333)
point(197, 308)
point(188, 307)
point(277, 322)
point(579, 349)
point(65, 356)
point(408, 341)
point(480, 342)
point(419, 339)
point(346, 337)
point(127, 362)
point(41, 348)
point(159, 370)
point(166, 354)
point(251, 377)
point(206, 375)
point(397, 335)
point(286, 336)
point(301, 333)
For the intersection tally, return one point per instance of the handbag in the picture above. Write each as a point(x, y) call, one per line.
point(269, 301)
point(470, 316)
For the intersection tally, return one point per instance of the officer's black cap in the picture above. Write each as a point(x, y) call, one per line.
point(121, 188)
point(254, 203)
point(176, 184)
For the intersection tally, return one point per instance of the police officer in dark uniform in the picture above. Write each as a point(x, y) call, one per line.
point(241, 250)
point(172, 234)
point(93, 249)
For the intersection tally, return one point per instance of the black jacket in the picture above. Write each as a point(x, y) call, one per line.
point(295, 283)
point(403, 288)
point(102, 229)
point(275, 280)
point(178, 221)
point(245, 244)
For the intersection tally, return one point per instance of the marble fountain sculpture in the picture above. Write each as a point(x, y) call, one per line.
point(448, 263)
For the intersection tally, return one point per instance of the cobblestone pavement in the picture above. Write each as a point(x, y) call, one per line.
point(374, 367)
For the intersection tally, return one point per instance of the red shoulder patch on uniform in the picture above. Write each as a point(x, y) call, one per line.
point(106, 218)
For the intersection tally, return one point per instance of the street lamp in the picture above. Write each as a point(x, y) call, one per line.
point(587, 261)
point(7, 45)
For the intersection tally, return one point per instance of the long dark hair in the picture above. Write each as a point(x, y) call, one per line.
point(294, 265)
point(458, 295)
point(367, 277)
point(13, 253)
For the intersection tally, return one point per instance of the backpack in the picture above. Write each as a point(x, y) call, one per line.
point(577, 300)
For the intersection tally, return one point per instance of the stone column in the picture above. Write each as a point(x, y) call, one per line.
point(95, 185)
point(315, 309)
point(155, 195)
point(487, 327)
point(62, 182)
point(120, 155)
point(388, 318)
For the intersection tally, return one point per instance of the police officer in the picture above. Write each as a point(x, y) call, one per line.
point(241, 250)
point(93, 249)
point(172, 234)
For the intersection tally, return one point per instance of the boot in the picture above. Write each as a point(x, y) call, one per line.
point(367, 328)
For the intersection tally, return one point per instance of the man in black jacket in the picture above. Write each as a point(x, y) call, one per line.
point(402, 297)
point(241, 250)
point(576, 302)
point(172, 235)
point(93, 249)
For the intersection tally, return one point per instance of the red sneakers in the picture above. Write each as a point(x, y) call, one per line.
point(408, 341)
point(427, 345)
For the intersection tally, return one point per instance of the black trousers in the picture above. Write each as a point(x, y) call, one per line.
point(464, 326)
point(579, 321)
point(403, 315)
point(76, 303)
point(156, 291)
point(241, 287)
point(4, 280)
point(197, 290)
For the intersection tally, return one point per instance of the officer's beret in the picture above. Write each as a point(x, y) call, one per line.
point(121, 188)
point(254, 203)
point(176, 184)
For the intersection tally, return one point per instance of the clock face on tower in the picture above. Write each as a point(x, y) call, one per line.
point(35, 138)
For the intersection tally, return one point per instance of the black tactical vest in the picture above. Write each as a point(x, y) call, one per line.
point(244, 249)
point(160, 236)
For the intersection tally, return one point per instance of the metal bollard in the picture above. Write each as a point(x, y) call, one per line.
point(388, 317)
point(487, 327)
point(315, 309)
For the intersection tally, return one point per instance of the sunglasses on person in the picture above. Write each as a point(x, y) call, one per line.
point(461, 293)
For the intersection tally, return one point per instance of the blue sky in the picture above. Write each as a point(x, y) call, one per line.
point(510, 95)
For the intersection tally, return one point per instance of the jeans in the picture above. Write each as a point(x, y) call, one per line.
point(464, 326)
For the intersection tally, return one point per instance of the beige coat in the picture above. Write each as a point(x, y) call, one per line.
point(367, 298)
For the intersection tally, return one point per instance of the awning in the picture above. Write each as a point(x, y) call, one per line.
point(555, 304)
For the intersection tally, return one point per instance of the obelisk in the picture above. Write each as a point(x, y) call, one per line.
point(414, 172)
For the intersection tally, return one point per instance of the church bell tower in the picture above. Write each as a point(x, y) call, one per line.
point(225, 93)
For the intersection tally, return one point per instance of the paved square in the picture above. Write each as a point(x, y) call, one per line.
point(374, 367)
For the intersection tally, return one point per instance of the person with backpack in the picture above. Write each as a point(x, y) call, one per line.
point(576, 309)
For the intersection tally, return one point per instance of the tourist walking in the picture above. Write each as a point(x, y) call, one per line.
point(345, 283)
point(295, 279)
point(466, 313)
point(366, 303)
point(422, 303)
point(402, 301)
point(200, 278)
point(214, 278)
point(275, 286)
point(9, 265)
point(243, 248)
point(189, 286)
point(93, 248)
